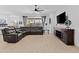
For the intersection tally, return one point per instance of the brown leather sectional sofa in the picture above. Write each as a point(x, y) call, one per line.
point(13, 35)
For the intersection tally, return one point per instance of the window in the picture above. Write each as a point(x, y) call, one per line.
point(34, 21)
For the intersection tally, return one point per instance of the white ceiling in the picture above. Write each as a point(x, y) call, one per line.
point(26, 9)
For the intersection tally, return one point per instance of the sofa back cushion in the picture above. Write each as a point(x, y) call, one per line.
point(8, 31)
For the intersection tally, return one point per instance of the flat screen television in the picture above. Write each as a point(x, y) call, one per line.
point(61, 18)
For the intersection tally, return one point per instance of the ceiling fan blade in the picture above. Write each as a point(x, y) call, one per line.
point(41, 10)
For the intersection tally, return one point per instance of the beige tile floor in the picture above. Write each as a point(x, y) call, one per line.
point(37, 44)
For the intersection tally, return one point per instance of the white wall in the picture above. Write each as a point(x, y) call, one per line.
point(53, 21)
point(46, 27)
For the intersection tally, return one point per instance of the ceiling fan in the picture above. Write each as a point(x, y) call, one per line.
point(37, 9)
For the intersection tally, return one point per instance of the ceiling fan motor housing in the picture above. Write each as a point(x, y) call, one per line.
point(36, 9)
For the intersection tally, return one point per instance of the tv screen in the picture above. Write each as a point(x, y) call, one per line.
point(61, 18)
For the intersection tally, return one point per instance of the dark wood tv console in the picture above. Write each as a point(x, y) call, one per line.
point(65, 35)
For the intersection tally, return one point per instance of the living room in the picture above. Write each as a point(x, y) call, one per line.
point(37, 24)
